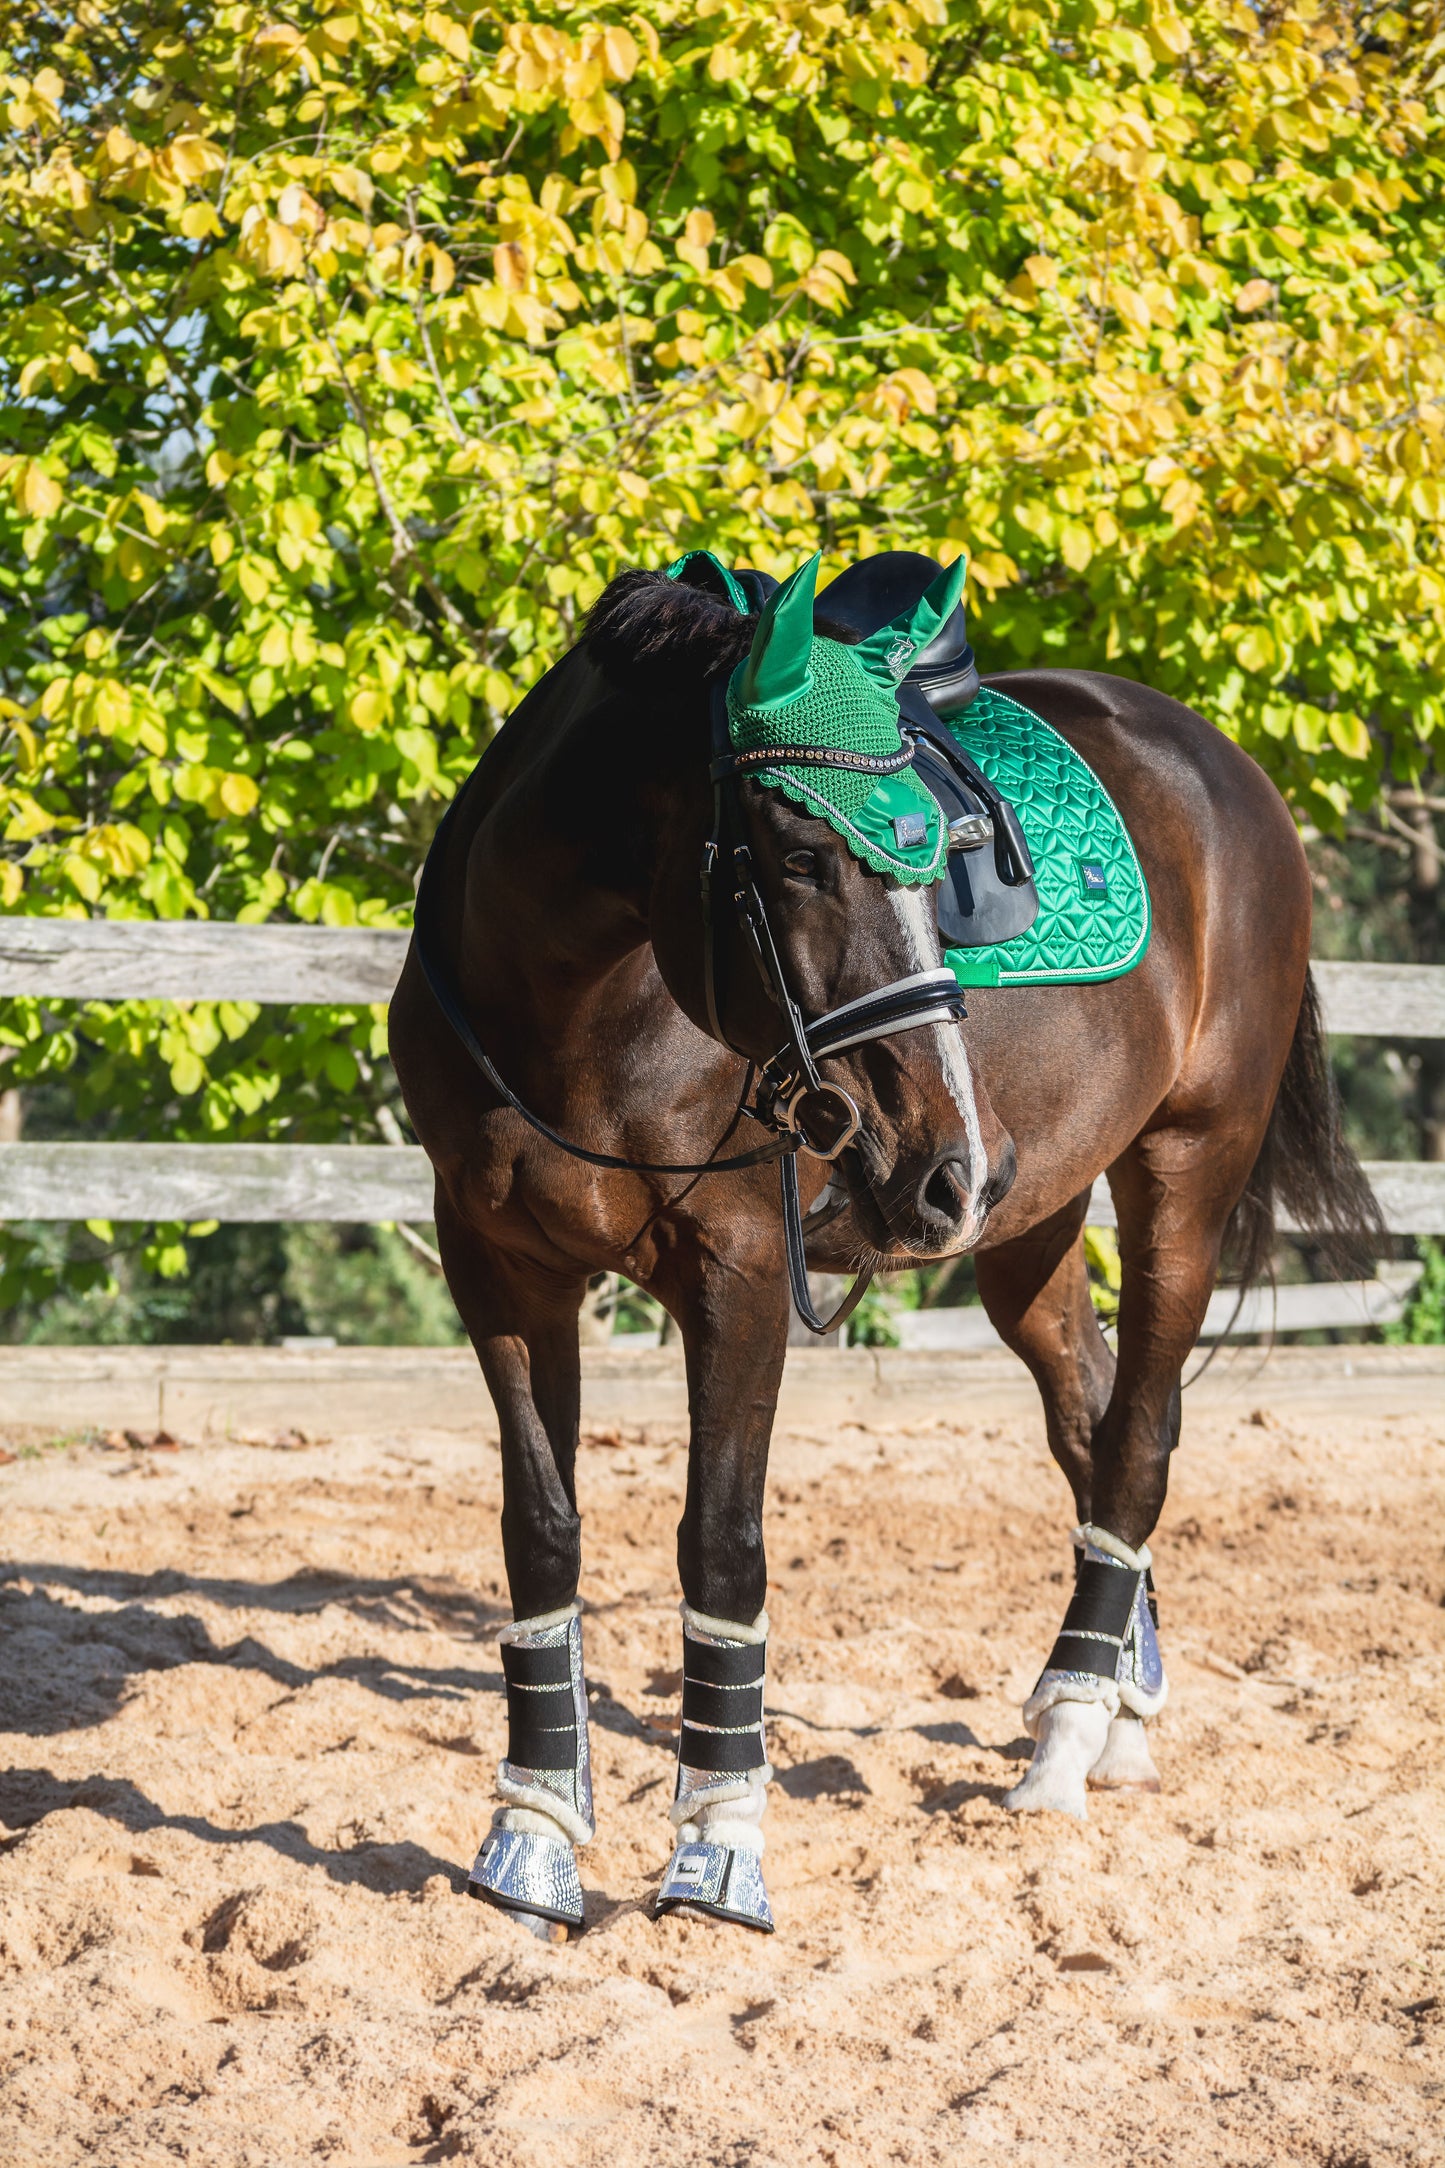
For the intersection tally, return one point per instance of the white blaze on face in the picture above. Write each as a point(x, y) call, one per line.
point(920, 931)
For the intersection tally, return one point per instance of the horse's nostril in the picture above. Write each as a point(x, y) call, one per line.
point(945, 1192)
point(1001, 1181)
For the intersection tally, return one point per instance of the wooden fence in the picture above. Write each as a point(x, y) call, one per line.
point(117, 960)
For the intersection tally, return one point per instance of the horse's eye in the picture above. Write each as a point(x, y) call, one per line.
point(803, 863)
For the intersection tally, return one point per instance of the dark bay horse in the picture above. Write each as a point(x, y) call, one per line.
point(567, 905)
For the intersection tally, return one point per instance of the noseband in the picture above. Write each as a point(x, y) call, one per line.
point(805, 1112)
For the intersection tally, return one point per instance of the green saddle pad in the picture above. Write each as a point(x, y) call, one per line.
point(1093, 920)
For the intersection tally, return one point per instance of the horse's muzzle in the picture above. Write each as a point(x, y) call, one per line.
point(948, 1213)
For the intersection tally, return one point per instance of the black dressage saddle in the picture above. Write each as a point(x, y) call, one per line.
point(988, 893)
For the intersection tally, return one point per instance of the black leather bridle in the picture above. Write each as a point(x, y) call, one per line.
point(804, 1111)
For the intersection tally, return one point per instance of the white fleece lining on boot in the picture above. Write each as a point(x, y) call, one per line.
point(522, 1629)
point(532, 1802)
point(722, 1629)
point(1138, 1561)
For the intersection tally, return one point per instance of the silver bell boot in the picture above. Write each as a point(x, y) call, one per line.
point(722, 1774)
point(527, 1863)
point(1104, 1671)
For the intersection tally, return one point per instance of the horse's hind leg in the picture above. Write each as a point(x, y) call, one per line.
point(1036, 1292)
point(523, 1325)
point(1173, 1189)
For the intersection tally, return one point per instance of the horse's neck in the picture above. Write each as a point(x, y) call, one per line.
point(560, 871)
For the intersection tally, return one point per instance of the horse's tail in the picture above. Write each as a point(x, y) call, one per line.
point(1305, 1165)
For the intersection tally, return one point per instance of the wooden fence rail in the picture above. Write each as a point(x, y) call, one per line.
point(170, 960)
point(77, 959)
point(389, 1182)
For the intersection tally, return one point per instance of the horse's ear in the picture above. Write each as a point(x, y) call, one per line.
point(776, 671)
point(707, 572)
point(888, 655)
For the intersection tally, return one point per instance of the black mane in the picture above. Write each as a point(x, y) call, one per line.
point(647, 632)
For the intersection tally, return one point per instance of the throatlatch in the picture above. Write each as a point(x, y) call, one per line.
point(722, 1774)
point(526, 1863)
point(1108, 1646)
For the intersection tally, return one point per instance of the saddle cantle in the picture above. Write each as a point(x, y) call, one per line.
point(875, 591)
point(988, 894)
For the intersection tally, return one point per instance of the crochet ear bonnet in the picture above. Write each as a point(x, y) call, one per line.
point(798, 688)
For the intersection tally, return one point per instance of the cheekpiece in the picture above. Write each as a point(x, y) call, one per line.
point(721, 1757)
point(1109, 1638)
point(520, 1871)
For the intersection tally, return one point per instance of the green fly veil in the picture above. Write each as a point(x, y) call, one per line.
point(798, 688)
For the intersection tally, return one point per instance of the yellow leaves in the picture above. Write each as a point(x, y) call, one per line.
point(354, 185)
point(992, 569)
point(368, 709)
point(1041, 271)
point(37, 492)
point(698, 232)
point(219, 792)
point(905, 390)
point(189, 159)
point(1254, 294)
point(1255, 649)
point(827, 280)
point(1130, 306)
point(270, 246)
point(277, 44)
point(451, 36)
point(35, 103)
point(200, 222)
point(1348, 731)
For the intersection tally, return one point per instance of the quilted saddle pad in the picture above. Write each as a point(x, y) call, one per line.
point(1093, 920)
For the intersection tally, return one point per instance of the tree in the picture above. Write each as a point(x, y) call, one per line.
point(348, 352)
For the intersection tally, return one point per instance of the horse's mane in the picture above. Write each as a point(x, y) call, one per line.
point(647, 632)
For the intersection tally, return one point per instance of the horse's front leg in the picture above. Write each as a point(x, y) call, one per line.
point(733, 1314)
point(523, 1325)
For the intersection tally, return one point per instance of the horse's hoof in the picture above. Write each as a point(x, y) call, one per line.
point(1071, 1738)
point(716, 1882)
point(1126, 1764)
point(533, 1879)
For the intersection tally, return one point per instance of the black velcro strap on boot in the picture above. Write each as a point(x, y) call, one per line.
point(1103, 1600)
point(547, 1666)
point(729, 1706)
point(1072, 1653)
point(541, 1710)
point(541, 1727)
point(722, 1753)
point(741, 1664)
point(1096, 1623)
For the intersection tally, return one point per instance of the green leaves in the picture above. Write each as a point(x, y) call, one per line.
point(347, 356)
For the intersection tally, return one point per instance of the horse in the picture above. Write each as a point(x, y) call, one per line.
point(576, 1033)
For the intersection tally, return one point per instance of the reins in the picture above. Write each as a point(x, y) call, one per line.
point(807, 1113)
